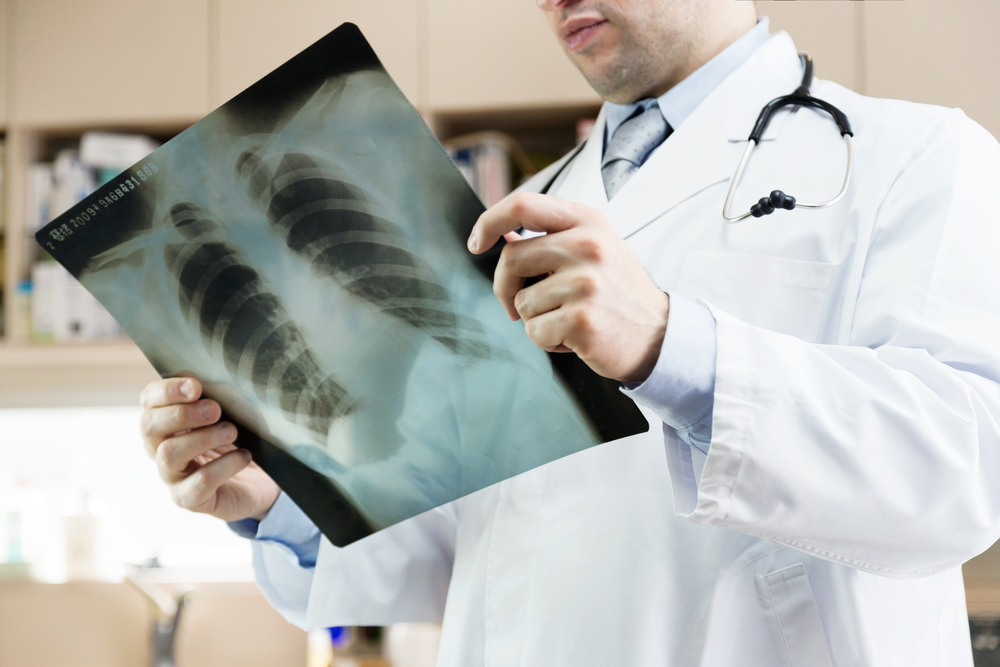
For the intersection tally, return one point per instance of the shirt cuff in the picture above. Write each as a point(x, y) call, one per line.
point(287, 525)
point(681, 388)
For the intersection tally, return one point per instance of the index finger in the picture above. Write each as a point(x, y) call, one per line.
point(170, 392)
point(535, 212)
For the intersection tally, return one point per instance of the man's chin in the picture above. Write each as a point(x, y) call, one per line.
point(610, 85)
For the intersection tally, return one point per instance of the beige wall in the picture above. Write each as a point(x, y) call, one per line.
point(255, 36)
point(942, 52)
point(827, 30)
point(937, 51)
point(499, 53)
point(108, 61)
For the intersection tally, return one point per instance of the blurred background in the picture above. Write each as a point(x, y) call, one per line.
point(95, 560)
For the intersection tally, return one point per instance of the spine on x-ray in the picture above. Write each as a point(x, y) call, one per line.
point(343, 233)
point(241, 320)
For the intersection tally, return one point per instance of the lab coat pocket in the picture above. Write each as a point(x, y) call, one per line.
point(775, 293)
point(788, 601)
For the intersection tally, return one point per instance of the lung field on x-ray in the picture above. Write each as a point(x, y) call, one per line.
point(233, 308)
point(343, 233)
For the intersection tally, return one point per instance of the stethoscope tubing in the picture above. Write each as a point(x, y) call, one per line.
point(751, 144)
point(778, 199)
point(767, 205)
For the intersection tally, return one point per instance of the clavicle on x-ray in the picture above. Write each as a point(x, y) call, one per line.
point(301, 251)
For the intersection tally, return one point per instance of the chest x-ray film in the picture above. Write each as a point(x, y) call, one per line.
point(301, 250)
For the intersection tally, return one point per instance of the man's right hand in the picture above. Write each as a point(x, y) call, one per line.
point(197, 456)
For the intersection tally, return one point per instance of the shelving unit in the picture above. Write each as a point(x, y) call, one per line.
point(116, 65)
point(51, 93)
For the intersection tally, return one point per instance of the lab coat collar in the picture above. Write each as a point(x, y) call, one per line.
point(697, 154)
point(772, 71)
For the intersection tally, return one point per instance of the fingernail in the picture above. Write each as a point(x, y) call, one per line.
point(187, 388)
point(206, 410)
point(228, 431)
point(473, 243)
point(245, 453)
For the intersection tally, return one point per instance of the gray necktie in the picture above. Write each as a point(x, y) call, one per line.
point(632, 142)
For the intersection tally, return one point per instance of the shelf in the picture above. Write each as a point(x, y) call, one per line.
point(96, 374)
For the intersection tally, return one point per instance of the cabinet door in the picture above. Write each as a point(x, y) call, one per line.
point(827, 30)
point(109, 61)
point(497, 53)
point(936, 52)
point(255, 36)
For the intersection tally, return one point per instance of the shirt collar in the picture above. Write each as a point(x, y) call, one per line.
point(678, 102)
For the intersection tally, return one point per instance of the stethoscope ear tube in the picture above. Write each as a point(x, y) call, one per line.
point(778, 199)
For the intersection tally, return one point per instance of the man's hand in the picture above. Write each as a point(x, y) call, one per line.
point(196, 454)
point(596, 300)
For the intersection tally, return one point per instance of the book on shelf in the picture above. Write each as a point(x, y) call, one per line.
point(489, 161)
point(301, 250)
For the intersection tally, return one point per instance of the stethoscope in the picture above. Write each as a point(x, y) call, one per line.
point(777, 199)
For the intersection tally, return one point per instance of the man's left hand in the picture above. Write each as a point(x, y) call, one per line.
point(596, 299)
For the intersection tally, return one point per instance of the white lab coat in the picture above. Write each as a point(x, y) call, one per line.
point(855, 447)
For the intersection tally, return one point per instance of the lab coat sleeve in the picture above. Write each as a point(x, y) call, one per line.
point(395, 575)
point(883, 454)
point(680, 388)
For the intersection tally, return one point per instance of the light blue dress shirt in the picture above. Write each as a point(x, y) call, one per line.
point(680, 390)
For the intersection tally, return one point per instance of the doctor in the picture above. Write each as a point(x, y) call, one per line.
point(824, 385)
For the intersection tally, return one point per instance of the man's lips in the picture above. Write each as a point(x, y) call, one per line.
point(576, 31)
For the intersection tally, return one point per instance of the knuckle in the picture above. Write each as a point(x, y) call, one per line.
point(534, 329)
point(519, 203)
point(530, 329)
point(207, 477)
point(589, 249)
point(520, 298)
point(585, 284)
point(165, 455)
point(582, 321)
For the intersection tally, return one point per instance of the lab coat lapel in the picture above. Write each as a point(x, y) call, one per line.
point(697, 155)
point(694, 157)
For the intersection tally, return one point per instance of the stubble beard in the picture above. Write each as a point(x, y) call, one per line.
point(644, 62)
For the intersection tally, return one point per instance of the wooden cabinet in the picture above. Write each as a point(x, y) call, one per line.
point(255, 36)
point(938, 52)
point(827, 30)
point(497, 53)
point(108, 62)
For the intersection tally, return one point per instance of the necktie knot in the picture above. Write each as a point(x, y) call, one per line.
point(631, 144)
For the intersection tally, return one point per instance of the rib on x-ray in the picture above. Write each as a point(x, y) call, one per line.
point(343, 233)
point(259, 342)
point(301, 251)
